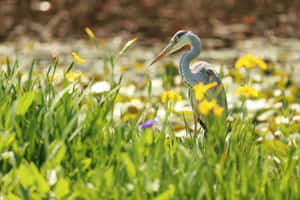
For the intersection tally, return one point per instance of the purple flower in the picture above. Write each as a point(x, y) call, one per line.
point(147, 124)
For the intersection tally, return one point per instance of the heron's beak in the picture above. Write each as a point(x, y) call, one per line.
point(164, 52)
point(184, 48)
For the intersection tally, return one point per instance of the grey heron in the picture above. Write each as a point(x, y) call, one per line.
point(199, 72)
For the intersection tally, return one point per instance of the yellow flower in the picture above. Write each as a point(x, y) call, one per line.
point(201, 89)
point(218, 110)
point(172, 96)
point(74, 76)
point(250, 61)
point(280, 73)
point(261, 64)
point(246, 91)
point(245, 61)
point(89, 32)
point(77, 58)
point(206, 106)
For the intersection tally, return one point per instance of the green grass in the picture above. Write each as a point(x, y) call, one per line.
point(62, 142)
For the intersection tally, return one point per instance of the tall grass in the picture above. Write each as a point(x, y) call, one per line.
point(61, 142)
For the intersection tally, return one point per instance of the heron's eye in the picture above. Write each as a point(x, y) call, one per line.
point(176, 38)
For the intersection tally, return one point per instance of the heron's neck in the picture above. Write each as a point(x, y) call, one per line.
point(184, 66)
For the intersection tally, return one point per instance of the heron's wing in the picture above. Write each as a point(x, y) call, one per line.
point(200, 65)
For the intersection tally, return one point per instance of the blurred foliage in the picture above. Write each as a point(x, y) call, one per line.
point(148, 18)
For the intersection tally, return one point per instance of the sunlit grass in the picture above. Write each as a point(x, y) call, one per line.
point(59, 140)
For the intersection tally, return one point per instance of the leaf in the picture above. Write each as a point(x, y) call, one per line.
point(109, 177)
point(149, 88)
point(25, 102)
point(62, 188)
point(148, 137)
point(168, 194)
point(30, 176)
point(57, 152)
point(39, 97)
point(125, 48)
point(40, 182)
point(24, 193)
point(129, 165)
point(11, 196)
point(127, 45)
point(26, 177)
point(86, 163)
point(29, 82)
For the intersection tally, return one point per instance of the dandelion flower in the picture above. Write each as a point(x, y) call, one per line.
point(74, 76)
point(201, 89)
point(172, 96)
point(89, 32)
point(246, 91)
point(261, 64)
point(206, 106)
point(250, 62)
point(77, 58)
point(218, 110)
point(246, 61)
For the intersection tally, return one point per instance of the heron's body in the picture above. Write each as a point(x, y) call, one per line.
point(199, 72)
point(200, 68)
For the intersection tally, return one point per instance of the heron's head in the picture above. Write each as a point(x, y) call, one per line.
point(179, 41)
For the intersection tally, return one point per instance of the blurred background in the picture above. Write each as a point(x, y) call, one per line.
point(148, 19)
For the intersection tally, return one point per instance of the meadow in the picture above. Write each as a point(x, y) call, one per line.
point(61, 137)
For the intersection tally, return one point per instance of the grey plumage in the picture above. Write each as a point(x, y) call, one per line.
point(208, 75)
